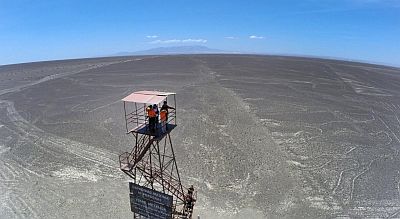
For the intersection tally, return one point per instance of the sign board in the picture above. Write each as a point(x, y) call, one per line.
point(150, 203)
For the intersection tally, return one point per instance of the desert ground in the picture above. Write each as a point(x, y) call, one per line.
point(257, 136)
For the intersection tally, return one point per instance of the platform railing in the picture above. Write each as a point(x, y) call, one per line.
point(134, 121)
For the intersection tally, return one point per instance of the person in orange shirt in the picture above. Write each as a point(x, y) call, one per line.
point(163, 118)
point(152, 118)
point(166, 107)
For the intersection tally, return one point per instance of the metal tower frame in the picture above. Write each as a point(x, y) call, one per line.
point(151, 162)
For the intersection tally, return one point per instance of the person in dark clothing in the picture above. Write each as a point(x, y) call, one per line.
point(190, 199)
point(155, 108)
point(166, 107)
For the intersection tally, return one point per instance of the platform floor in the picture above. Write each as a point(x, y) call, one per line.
point(145, 130)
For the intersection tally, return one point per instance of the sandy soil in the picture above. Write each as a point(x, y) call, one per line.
point(258, 136)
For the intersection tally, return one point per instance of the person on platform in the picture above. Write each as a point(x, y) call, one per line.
point(166, 107)
point(152, 118)
point(163, 118)
point(155, 108)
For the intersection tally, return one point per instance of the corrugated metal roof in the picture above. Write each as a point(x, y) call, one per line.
point(148, 97)
point(158, 93)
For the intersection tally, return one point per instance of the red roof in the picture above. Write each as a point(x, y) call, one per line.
point(148, 97)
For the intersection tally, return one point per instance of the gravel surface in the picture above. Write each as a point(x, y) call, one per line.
point(258, 136)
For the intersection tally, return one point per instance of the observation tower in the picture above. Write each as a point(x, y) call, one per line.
point(156, 190)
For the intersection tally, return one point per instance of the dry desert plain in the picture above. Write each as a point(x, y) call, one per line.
point(258, 136)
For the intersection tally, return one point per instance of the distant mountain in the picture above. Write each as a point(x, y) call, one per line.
point(175, 50)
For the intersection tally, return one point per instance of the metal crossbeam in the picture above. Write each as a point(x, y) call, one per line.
point(153, 160)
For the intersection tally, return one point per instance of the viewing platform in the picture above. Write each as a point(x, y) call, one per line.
point(137, 118)
point(145, 130)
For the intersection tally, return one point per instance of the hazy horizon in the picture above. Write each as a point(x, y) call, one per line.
point(143, 53)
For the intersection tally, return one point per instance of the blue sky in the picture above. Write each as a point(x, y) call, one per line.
point(59, 29)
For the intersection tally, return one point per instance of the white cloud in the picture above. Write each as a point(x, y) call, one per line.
point(194, 41)
point(230, 37)
point(256, 37)
point(152, 36)
point(178, 41)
